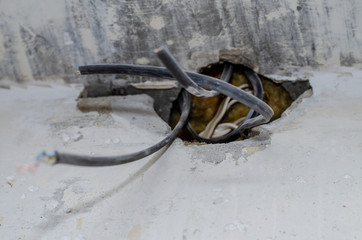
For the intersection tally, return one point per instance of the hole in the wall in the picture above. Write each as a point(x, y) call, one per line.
point(279, 95)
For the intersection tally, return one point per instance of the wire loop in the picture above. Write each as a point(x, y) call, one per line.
point(194, 84)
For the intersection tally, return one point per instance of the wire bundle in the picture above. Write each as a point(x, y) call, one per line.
point(194, 84)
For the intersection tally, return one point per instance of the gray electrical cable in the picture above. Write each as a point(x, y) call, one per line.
point(186, 82)
point(227, 72)
point(98, 161)
point(199, 79)
point(204, 81)
point(234, 134)
point(181, 76)
point(190, 81)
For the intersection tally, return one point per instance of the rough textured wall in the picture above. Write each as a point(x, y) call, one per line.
point(47, 38)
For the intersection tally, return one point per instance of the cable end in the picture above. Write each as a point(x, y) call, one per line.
point(78, 72)
point(160, 49)
point(49, 158)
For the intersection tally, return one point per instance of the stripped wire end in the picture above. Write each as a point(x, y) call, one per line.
point(157, 50)
point(78, 72)
point(49, 158)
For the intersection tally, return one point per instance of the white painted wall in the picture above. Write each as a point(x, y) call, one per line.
point(46, 39)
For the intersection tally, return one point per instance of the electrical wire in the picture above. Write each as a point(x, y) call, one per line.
point(190, 86)
point(98, 161)
point(237, 132)
point(214, 122)
point(191, 81)
point(202, 80)
point(254, 103)
point(224, 106)
point(186, 82)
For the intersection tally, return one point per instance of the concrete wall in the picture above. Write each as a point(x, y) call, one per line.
point(49, 39)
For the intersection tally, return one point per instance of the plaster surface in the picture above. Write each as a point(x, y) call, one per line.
point(300, 179)
point(49, 39)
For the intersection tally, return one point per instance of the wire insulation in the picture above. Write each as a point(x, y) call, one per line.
point(186, 82)
point(204, 81)
point(192, 82)
point(239, 131)
point(98, 161)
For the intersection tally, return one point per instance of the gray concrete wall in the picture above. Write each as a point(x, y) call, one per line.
point(44, 39)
